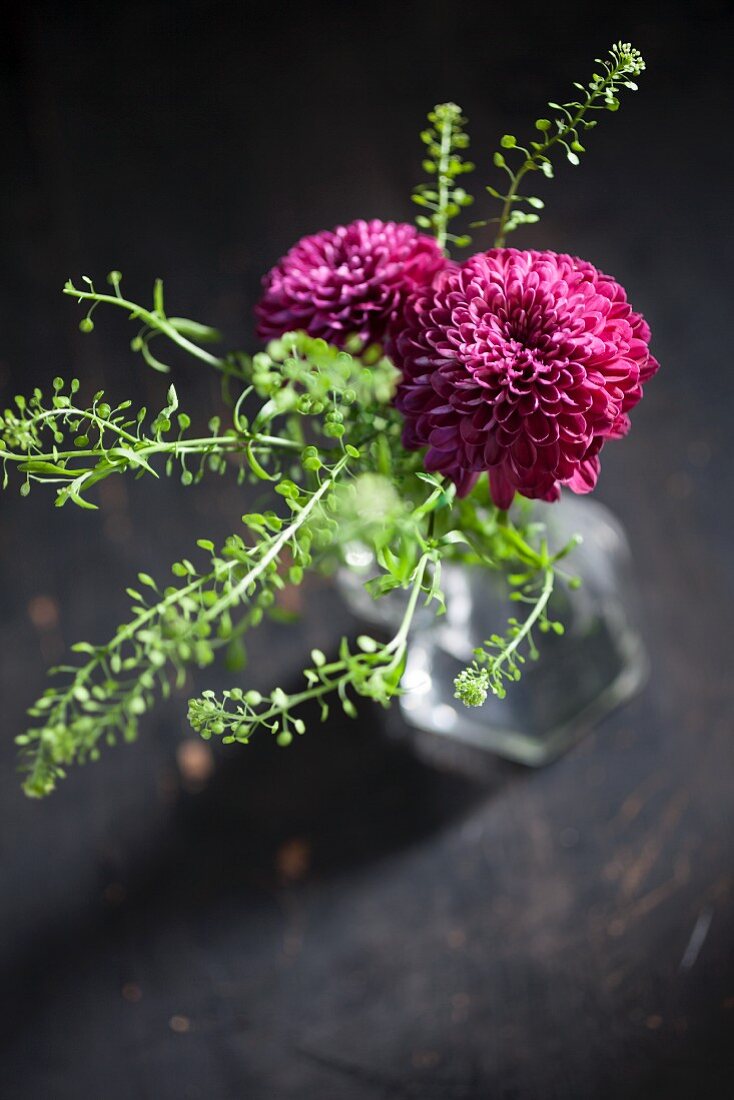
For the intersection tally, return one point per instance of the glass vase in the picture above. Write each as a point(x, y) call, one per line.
point(597, 664)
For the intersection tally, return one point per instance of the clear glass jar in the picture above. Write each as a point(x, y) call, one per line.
point(581, 675)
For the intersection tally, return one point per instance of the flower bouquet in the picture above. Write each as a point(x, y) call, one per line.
point(406, 407)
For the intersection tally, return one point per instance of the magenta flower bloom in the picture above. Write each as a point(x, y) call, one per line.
point(352, 280)
point(520, 364)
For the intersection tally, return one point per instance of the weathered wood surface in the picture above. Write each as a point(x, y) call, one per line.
point(340, 920)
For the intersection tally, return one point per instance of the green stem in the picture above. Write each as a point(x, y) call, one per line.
point(539, 154)
point(154, 321)
point(499, 241)
point(524, 549)
point(70, 411)
point(182, 446)
point(443, 184)
point(530, 622)
point(405, 625)
point(277, 545)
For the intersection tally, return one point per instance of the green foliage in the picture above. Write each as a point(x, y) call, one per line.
point(375, 494)
point(372, 671)
point(501, 658)
point(442, 199)
point(301, 374)
point(172, 629)
point(339, 399)
point(563, 131)
point(371, 512)
point(72, 446)
point(188, 335)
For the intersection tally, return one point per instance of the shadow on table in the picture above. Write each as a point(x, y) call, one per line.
point(347, 793)
point(345, 796)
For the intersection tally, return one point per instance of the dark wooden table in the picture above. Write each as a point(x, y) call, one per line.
point(341, 920)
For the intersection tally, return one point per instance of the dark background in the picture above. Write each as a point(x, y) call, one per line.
point(342, 920)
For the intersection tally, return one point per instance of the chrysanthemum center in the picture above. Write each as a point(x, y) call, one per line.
point(522, 363)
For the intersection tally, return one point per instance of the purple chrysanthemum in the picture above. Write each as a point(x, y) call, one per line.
point(352, 280)
point(520, 364)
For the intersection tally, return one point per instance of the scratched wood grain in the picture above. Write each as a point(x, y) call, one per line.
point(342, 920)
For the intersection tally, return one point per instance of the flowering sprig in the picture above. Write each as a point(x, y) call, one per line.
point(442, 199)
point(564, 130)
point(372, 671)
point(104, 698)
point(501, 658)
point(187, 335)
point(73, 446)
